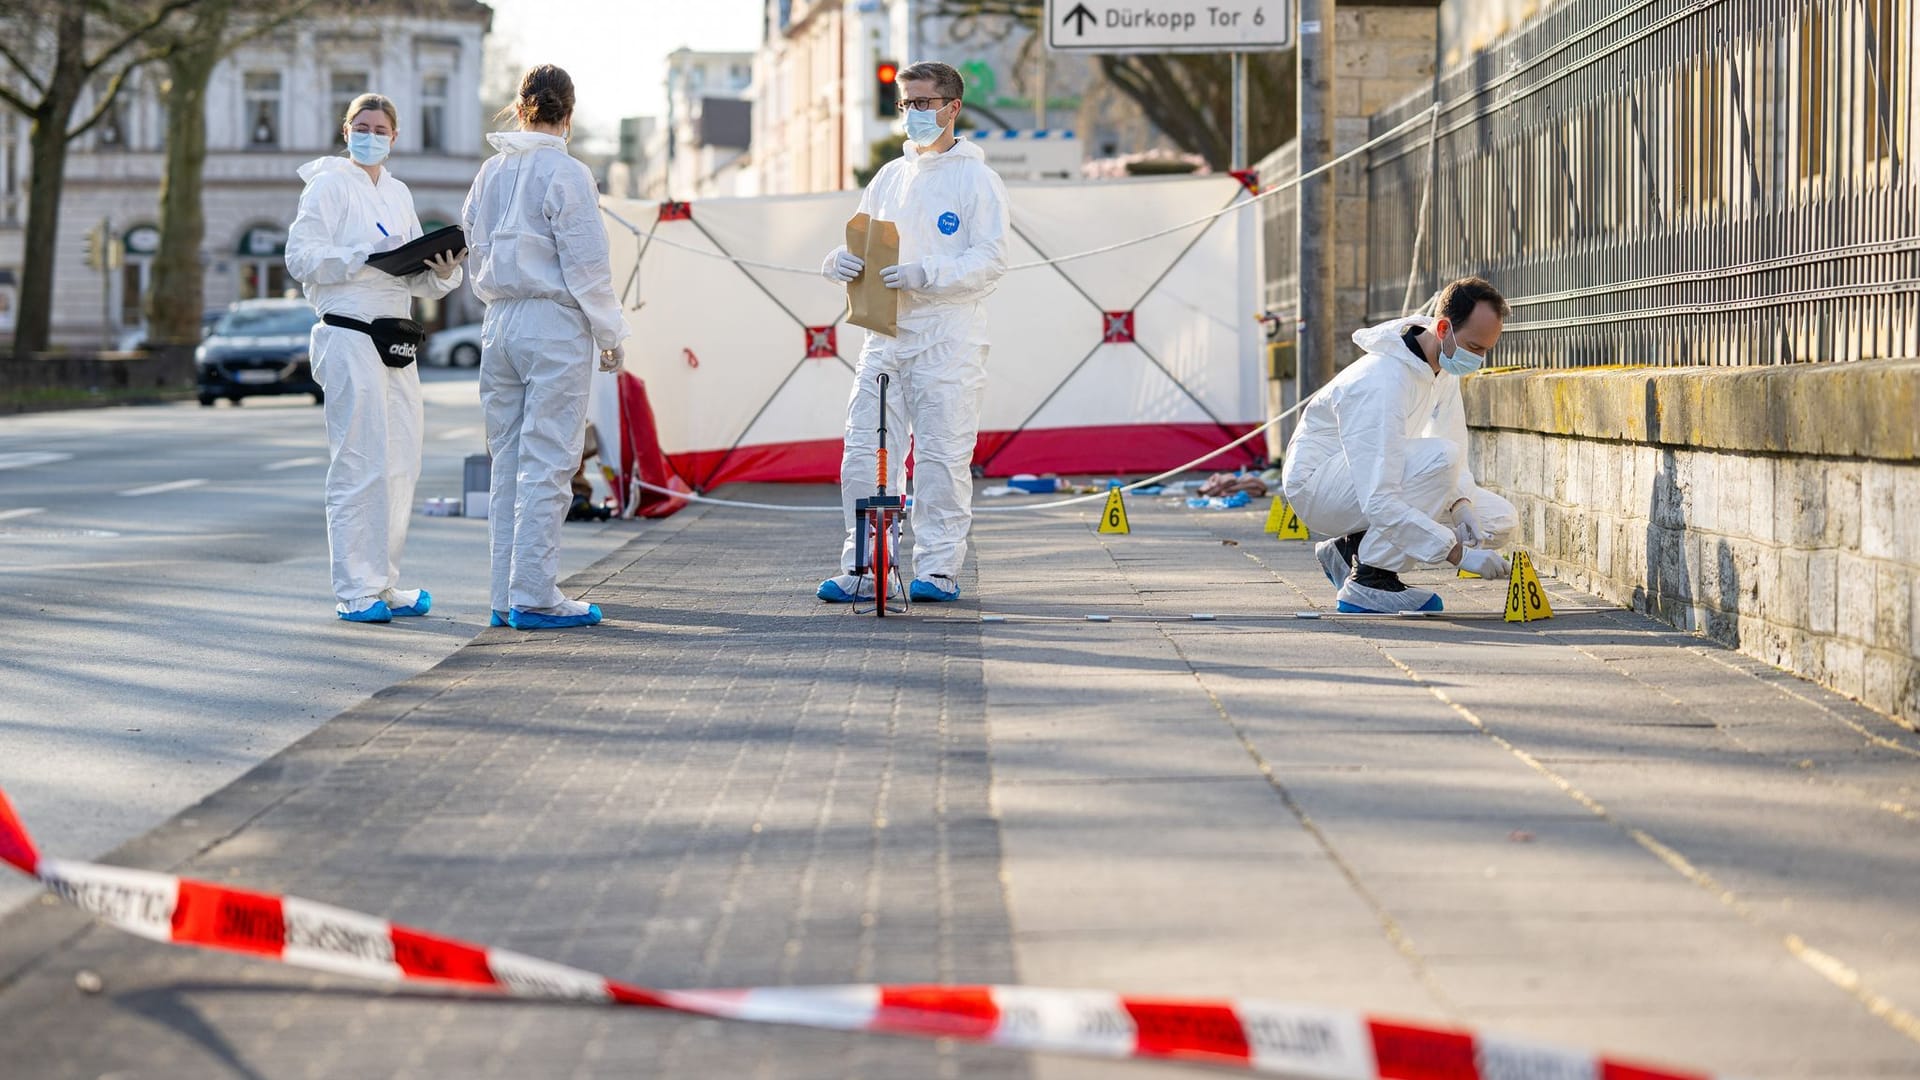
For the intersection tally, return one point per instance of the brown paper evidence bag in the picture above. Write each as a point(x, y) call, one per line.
point(870, 303)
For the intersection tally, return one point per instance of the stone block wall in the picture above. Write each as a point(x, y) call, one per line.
point(1774, 509)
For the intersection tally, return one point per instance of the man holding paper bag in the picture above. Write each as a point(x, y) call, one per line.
point(950, 212)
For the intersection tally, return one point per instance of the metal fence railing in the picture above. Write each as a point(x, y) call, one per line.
point(1670, 182)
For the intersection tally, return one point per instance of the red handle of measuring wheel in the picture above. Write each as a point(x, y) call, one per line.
point(880, 480)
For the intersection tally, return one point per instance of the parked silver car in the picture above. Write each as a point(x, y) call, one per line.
point(456, 346)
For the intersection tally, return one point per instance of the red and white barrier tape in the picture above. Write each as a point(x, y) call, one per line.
point(1250, 1036)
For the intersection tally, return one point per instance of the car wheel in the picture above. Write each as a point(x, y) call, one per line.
point(235, 398)
point(465, 356)
point(207, 400)
point(319, 399)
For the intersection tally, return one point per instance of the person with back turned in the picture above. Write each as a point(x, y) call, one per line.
point(540, 264)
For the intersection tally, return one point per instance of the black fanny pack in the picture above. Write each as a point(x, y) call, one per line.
point(397, 341)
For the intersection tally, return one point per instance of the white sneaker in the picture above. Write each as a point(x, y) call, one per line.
point(564, 609)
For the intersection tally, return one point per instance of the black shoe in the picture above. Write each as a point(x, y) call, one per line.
point(1349, 547)
point(1375, 578)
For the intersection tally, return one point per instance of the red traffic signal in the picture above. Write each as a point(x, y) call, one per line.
point(886, 89)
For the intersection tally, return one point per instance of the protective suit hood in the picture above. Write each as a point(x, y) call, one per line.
point(333, 164)
point(1383, 339)
point(962, 150)
point(522, 142)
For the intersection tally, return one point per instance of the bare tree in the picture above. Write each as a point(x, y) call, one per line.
point(1187, 96)
point(192, 47)
point(57, 49)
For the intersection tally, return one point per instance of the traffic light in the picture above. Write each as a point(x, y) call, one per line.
point(95, 250)
point(886, 89)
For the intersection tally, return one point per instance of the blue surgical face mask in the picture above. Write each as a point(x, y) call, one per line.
point(924, 126)
point(1458, 361)
point(366, 148)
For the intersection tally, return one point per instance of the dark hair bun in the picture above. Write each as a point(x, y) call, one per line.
point(546, 96)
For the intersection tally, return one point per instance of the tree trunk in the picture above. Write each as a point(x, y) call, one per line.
point(48, 143)
point(177, 296)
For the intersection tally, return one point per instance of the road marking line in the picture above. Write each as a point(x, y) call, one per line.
point(25, 458)
point(160, 489)
point(458, 433)
point(25, 511)
point(1825, 964)
point(295, 463)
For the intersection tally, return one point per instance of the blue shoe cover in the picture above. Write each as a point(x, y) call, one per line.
point(1346, 608)
point(499, 618)
point(420, 606)
point(522, 619)
point(833, 592)
point(925, 590)
point(378, 613)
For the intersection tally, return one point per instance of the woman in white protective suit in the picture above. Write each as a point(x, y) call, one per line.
point(353, 208)
point(951, 210)
point(540, 265)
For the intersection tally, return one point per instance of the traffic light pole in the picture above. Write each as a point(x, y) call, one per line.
point(106, 284)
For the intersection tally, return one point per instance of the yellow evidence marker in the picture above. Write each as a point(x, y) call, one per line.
point(1283, 523)
point(1526, 600)
point(1113, 519)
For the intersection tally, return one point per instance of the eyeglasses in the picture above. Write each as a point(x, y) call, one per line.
point(924, 103)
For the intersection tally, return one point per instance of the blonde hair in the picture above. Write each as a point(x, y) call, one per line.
point(372, 101)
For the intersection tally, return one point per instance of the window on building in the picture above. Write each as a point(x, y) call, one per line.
point(433, 113)
point(346, 85)
point(111, 132)
point(263, 109)
point(262, 254)
point(1814, 100)
point(741, 74)
point(1704, 112)
point(1883, 78)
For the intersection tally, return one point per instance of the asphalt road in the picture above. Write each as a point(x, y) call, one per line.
point(165, 617)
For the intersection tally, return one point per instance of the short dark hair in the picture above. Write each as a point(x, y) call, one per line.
point(945, 80)
point(1458, 299)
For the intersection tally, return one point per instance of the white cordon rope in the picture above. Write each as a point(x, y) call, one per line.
point(1097, 496)
point(1428, 114)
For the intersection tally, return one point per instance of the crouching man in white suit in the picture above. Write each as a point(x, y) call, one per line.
point(1379, 462)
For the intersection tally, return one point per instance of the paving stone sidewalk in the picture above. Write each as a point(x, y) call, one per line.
point(1592, 830)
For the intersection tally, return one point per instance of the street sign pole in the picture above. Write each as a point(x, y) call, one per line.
point(1239, 111)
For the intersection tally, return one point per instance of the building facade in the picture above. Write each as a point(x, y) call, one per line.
point(701, 149)
point(821, 117)
point(273, 105)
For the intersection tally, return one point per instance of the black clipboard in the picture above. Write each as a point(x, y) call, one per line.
point(410, 259)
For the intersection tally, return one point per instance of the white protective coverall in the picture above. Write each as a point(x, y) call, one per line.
point(539, 258)
point(374, 418)
point(1383, 448)
point(951, 210)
